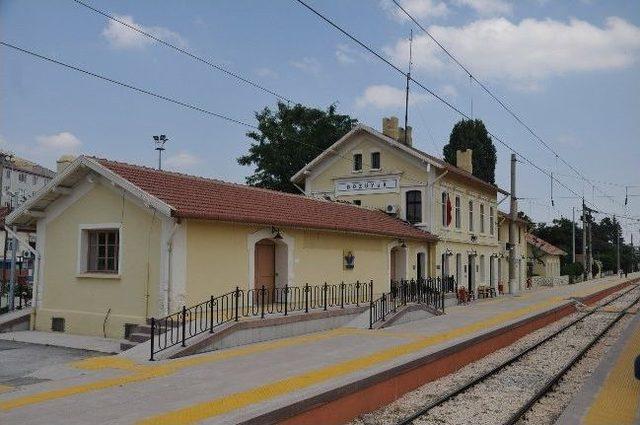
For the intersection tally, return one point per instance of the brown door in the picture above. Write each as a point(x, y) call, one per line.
point(265, 265)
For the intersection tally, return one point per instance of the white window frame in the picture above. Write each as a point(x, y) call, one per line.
point(470, 203)
point(482, 217)
point(492, 220)
point(83, 246)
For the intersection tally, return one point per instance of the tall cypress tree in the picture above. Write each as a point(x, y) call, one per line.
point(472, 134)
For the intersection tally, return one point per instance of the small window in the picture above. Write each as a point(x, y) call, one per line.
point(8, 173)
point(357, 162)
point(357, 202)
point(471, 216)
point(414, 206)
point(375, 160)
point(35, 179)
point(458, 217)
point(519, 234)
point(102, 251)
point(22, 177)
point(481, 218)
point(57, 324)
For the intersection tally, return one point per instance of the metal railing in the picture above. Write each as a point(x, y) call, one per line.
point(189, 322)
point(429, 291)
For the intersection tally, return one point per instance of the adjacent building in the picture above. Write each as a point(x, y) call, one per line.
point(544, 257)
point(519, 251)
point(383, 171)
point(119, 243)
point(20, 179)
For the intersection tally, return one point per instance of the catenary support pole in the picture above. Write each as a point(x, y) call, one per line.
point(513, 229)
point(584, 242)
point(573, 235)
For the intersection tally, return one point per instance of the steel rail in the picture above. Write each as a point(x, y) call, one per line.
point(546, 389)
point(484, 376)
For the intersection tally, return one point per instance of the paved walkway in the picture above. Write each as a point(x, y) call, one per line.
point(59, 339)
point(612, 394)
point(236, 384)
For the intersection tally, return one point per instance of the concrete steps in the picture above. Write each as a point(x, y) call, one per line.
point(138, 334)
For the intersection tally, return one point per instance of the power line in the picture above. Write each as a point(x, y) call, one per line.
point(129, 86)
point(428, 90)
point(185, 52)
point(494, 96)
point(156, 95)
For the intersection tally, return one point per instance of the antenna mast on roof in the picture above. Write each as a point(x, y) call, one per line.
point(406, 100)
point(159, 142)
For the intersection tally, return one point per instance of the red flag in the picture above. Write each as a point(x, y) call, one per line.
point(448, 210)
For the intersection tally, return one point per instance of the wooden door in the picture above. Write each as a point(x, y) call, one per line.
point(265, 265)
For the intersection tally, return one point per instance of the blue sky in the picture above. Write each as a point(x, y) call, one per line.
point(570, 68)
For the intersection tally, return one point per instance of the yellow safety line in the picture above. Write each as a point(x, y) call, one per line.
point(143, 373)
point(618, 400)
point(200, 411)
point(5, 388)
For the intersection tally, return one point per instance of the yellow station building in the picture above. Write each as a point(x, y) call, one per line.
point(382, 170)
point(120, 243)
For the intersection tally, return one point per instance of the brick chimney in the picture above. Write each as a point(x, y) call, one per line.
point(391, 129)
point(63, 162)
point(464, 160)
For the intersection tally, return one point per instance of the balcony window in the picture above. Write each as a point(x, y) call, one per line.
point(375, 160)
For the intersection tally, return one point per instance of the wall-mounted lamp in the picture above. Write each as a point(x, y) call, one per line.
point(402, 243)
point(276, 231)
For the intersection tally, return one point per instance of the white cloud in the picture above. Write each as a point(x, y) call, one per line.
point(419, 9)
point(63, 142)
point(344, 54)
point(448, 91)
point(383, 96)
point(488, 7)
point(266, 72)
point(182, 160)
point(525, 53)
point(122, 37)
point(307, 64)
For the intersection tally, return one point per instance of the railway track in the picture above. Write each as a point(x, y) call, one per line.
point(527, 376)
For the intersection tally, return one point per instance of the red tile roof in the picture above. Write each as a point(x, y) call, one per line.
point(544, 245)
point(203, 198)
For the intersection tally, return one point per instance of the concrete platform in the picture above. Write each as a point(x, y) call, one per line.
point(612, 394)
point(314, 378)
point(59, 339)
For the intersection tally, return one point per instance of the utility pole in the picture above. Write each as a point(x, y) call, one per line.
point(406, 100)
point(573, 235)
point(584, 241)
point(590, 248)
point(12, 275)
point(615, 223)
point(513, 229)
point(159, 142)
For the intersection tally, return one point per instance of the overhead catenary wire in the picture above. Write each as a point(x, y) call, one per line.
point(210, 63)
point(156, 95)
point(431, 92)
point(484, 87)
point(127, 85)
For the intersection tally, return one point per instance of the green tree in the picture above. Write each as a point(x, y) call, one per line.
point(472, 134)
point(289, 138)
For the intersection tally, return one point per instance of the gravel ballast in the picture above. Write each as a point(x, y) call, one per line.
point(495, 399)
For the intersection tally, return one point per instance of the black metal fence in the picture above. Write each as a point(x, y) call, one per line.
point(189, 322)
point(429, 291)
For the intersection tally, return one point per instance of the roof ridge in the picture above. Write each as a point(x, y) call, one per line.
point(254, 188)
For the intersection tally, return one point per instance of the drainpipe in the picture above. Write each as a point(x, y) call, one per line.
point(36, 273)
point(168, 256)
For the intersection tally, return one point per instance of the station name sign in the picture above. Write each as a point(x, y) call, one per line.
point(373, 185)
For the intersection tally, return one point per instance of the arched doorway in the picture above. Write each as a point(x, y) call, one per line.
point(270, 265)
point(398, 263)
